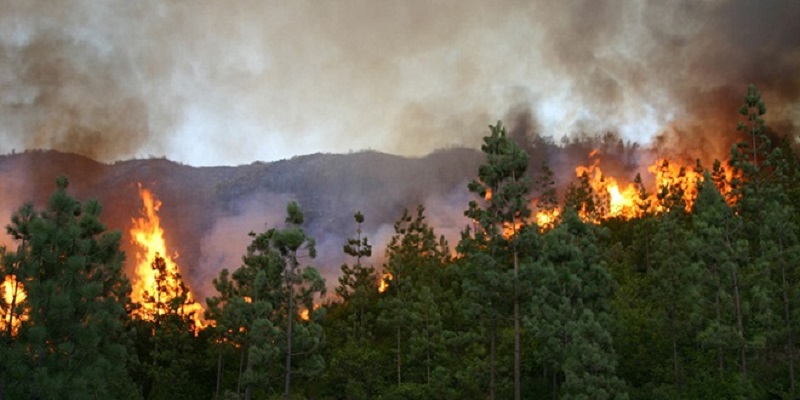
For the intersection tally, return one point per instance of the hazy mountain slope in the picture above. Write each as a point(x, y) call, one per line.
point(207, 212)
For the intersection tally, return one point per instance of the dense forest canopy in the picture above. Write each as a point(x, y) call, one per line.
point(600, 290)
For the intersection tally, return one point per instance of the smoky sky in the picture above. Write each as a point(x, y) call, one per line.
point(226, 83)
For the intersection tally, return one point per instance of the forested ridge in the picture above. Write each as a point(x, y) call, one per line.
point(695, 296)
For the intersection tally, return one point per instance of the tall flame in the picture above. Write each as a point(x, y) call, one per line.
point(13, 294)
point(148, 235)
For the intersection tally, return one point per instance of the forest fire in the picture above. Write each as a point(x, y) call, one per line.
point(13, 295)
point(305, 314)
point(675, 184)
point(154, 260)
point(547, 219)
point(384, 282)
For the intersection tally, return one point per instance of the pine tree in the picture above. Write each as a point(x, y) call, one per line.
point(570, 313)
point(257, 308)
point(358, 283)
point(415, 260)
point(73, 340)
point(504, 186)
point(673, 277)
point(717, 246)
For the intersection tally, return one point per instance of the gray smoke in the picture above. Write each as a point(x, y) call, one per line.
point(214, 82)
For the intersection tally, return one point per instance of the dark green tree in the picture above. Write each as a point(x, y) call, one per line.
point(571, 315)
point(672, 276)
point(358, 283)
point(500, 221)
point(415, 260)
point(258, 309)
point(72, 342)
point(720, 251)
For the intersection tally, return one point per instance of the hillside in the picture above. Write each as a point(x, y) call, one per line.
point(208, 211)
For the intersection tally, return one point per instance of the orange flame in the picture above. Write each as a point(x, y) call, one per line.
point(148, 235)
point(509, 229)
point(384, 282)
point(671, 176)
point(305, 314)
point(547, 219)
point(619, 202)
point(13, 295)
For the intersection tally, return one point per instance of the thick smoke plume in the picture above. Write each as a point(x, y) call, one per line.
point(229, 83)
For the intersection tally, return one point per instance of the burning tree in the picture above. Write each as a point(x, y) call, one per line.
point(72, 341)
point(166, 316)
point(158, 288)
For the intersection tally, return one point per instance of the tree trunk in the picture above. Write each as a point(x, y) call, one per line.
point(719, 320)
point(788, 317)
point(739, 325)
point(219, 373)
point(399, 369)
point(492, 367)
point(517, 345)
point(248, 391)
point(241, 370)
point(289, 320)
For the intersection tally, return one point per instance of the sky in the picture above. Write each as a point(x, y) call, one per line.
point(233, 82)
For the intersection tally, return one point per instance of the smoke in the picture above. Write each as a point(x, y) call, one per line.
point(224, 245)
point(219, 83)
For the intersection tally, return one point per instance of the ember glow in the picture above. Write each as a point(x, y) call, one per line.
point(305, 314)
point(13, 295)
point(148, 235)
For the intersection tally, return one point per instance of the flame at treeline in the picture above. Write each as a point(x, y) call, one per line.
point(148, 235)
point(673, 182)
point(13, 295)
point(632, 199)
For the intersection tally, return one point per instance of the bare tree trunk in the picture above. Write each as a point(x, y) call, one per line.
point(219, 373)
point(241, 366)
point(492, 367)
point(719, 319)
point(788, 317)
point(289, 320)
point(517, 345)
point(739, 324)
point(399, 364)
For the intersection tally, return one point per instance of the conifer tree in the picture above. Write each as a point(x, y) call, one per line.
point(73, 341)
point(416, 257)
point(570, 313)
point(504, 186)
point(673, 278)
point(358, 283)
point(257, 309)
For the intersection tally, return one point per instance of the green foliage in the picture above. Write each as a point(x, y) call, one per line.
point(72, 342)
point(672, 304)
point(256, 312)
